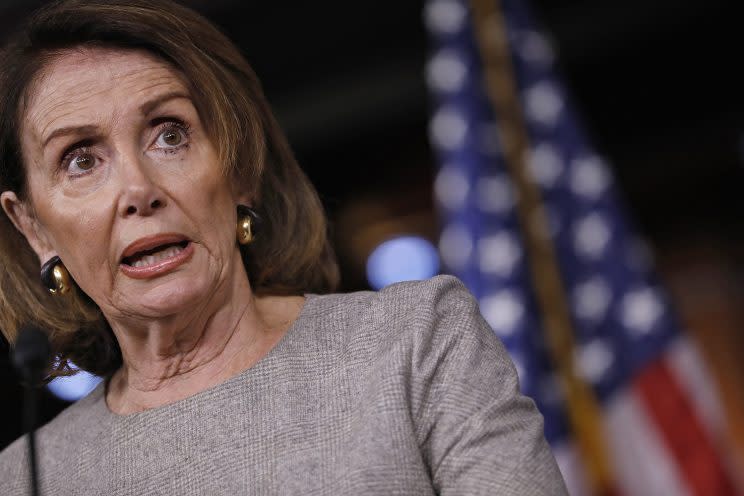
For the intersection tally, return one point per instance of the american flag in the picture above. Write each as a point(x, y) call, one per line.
point(661, 426)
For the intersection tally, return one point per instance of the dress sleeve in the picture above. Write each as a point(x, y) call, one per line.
point(478, 434)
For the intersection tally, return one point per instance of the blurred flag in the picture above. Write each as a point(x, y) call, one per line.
point(658, 423)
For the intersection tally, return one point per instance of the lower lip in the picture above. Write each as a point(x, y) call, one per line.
point(159, 268)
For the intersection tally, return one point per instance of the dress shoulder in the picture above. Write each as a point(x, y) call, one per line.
point(405, 309)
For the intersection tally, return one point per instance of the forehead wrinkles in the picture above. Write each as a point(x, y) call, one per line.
point(78, 83)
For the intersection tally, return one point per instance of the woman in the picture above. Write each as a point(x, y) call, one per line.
point(133, 140)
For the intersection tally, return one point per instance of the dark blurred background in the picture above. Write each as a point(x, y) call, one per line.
point(655, 81)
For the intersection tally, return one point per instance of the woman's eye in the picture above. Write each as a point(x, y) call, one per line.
point(84, 162)
point(79, 162)
point(171, 137)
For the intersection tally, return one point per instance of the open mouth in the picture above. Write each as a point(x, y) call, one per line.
point(155, 255)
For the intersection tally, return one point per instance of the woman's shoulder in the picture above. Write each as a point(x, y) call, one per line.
point(400, 316)
point(441, 293)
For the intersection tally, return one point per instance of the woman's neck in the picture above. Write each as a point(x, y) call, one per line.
point(173, 360)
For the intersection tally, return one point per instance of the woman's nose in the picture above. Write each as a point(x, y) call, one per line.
point(140, 195)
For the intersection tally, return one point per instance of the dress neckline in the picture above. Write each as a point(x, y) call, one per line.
point(97, 398)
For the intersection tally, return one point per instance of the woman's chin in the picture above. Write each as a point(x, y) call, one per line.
point(170, 296)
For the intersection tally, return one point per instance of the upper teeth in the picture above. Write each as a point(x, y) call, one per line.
point(146, 260)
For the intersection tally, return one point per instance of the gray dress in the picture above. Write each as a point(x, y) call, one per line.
point(401, 391)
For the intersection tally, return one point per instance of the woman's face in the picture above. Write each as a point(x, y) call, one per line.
point(125, 185)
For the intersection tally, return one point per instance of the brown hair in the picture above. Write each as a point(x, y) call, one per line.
point(292, 255)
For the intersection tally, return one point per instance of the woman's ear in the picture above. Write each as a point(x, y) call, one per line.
point(23, 219)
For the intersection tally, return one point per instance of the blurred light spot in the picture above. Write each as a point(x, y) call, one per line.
point(446, 71)
point(444, 16)
point(591, 235)
point(593, 360)
point(448, 128)
point(543, 104)
point(503, 311)
point(451, 187)
point(591, 299)
point(74, 387)
point(589, 177)
point(640, 310)
point(545, 164)
point(495, 194)
point(498, 254)
point(406, 258)
point(456, 246)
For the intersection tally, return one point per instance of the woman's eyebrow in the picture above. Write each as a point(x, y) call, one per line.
point(154, 103)
point(69, 130)
point(145, 109)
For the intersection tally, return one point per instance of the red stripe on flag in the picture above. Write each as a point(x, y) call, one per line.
point(682, 431)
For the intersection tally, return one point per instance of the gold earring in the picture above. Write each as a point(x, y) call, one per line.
point(248, 220)
point(55, 277)
point(245, 234)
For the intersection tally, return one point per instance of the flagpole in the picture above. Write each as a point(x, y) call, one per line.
point(582, 405)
